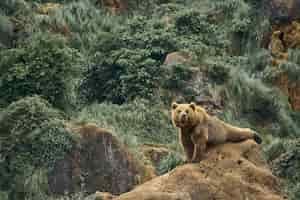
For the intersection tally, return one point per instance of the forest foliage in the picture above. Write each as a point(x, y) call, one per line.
point(80, 62)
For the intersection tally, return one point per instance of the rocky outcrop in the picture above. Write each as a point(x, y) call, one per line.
point(285, 37)
point(177, 58)
point(290, 88)
point(230, 171)
point(47, 8)
point(98, 163)
point(115, 6)
point(155, 153)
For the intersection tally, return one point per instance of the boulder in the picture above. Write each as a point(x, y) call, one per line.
point(103, 196)
point(115, 6)
point(290, 88)
point(98, 163)
point(47, 8)
point(155, 153)
point(177, 58)
point(230, 171)
point(285, 37)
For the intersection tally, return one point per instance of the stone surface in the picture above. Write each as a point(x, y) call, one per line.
point(177, 58)
point(155, 153)
point(103, 196)
point(285, 37)
point(230, 171)
point(115, 6)
point(290, 88)
point(47, 8)
point(98, 163)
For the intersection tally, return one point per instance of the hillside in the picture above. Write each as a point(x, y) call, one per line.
point(119, 64)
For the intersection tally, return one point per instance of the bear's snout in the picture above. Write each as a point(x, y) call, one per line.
point(183, 117)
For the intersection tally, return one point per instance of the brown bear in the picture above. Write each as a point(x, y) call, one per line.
point(197, 129)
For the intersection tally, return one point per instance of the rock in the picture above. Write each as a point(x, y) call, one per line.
point(116, 6)
point(177, 58)
point(290, 88)
point(100, 196)
point(291, 35)
point(286, 36)
point(283, 10)
point(47, 8)
point(230, 171)
point(98, 163)
point(285, 163)
point(103, 196)
point(211, 105)
point(155, 153)
point(277, 47)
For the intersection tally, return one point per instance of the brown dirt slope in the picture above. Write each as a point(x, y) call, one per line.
point(230, 171)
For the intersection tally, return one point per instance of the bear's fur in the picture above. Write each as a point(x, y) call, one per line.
point(197, 130)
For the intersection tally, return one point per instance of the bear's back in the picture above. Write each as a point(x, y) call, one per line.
point(216, 131)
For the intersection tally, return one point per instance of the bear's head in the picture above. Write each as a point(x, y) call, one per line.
point(184, 115)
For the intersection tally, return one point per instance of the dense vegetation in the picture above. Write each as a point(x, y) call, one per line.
point(87, 63)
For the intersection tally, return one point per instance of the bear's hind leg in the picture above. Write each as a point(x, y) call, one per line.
point(235, 134)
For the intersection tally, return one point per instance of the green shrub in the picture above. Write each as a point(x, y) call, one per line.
point(45, 66)
point(253, 97)
point(253, 100)
point(169, 162)
point(127, 65)
point(83, 21)
point(32, 137)
point(259, 61)
point(76, 196)
point(6, 31)
point(11, 7)
point(139, 121)
point(176, 76)
point(218, 72)
point(176, 81)
point(284, 158)
point(292, 69)
point(294, 191)
point(129, 75)
point(238, 11)
point(197, 33)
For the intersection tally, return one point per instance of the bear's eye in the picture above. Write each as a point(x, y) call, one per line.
point(187, 111)
point(178, 111)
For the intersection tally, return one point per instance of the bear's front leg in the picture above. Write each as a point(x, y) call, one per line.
point(188, 146)
point(199, 139)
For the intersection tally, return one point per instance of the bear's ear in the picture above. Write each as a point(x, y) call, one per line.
point(193, 105)
point(174, 105)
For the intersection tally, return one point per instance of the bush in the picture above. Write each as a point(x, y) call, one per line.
point(253, 97)
point(177, 76)
point(252, 100)
point(32, 137)
point(169, 162)
point(127, 65)
point(197, 33)
point(138, 121)
point(129, 75)
point(6, 31)
point(45, 66)
point(218, 72)
point(176, 82)
point(284, 158)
